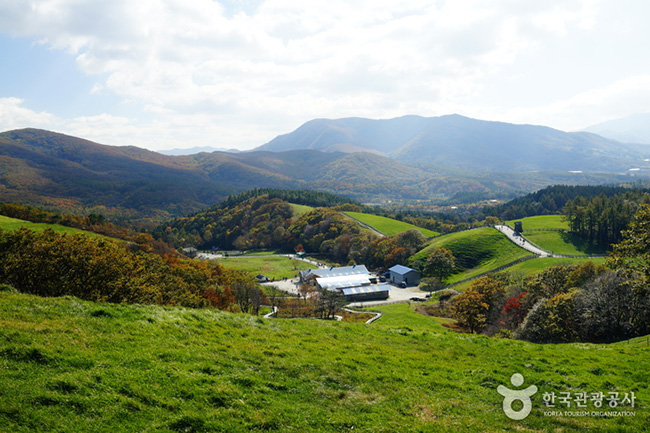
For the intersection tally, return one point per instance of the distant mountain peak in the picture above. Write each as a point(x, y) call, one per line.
point(461, 142)
point(630, 129)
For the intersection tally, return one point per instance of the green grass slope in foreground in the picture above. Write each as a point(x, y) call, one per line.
point(73, 366)
point(476, 251)
point(388, 226)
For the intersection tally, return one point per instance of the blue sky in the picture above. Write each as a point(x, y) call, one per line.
point(164, 74)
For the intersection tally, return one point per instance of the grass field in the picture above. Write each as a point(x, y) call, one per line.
point(534, 266)
point(73, 366)
point(541, 222)
point(554, 240)
point(299, 209)
point(7, 223)
point(275, 268)
point(476, 251)
point(388, 226)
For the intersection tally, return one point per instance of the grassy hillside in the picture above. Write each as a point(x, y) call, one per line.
point(541, 222)
point(300, 209)
point(7, 223)
point(537, 265)
point(548, 232)
point(476, 251)
point(388, 226)
point(76, 366)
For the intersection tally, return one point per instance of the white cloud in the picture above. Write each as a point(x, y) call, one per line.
point(214, 74)
point(620, 99)
point(13, 115)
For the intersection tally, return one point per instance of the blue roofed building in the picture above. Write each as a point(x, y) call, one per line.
point(402, 274)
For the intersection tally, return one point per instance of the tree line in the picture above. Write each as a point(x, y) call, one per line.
point(551, 200)
point(602, 219)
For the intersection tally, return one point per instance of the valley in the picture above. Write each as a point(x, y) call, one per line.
point(172, 293)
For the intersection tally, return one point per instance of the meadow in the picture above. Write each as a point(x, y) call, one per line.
point(388, 226)
point(550, 232)
point(274, 267)
point(7, 223)
point(75, 366)
point(300, 209)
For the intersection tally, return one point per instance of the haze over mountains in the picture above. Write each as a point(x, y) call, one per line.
point(630, 129)
point(448, 159)
point(464, 143)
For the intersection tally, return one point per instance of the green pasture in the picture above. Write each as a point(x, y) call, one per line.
point(274, 267)
point(550, 232)
point(388, 226)
point(299, 209)
point(9, 224)
point(541, 222)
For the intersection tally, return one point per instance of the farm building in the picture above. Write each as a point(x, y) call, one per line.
point(353, 282)
point(366, 293)
point(310, 275)
point(402, 274)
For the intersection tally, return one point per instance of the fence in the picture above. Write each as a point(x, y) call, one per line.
point(491, 271)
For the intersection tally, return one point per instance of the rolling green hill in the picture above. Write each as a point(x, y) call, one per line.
point(550, 232)
point(388, 226)
point(476, 251)
point(70, 365)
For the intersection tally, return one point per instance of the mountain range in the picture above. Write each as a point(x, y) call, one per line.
point(450, 159)
point(467, 144)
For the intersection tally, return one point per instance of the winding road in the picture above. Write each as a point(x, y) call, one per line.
point(521, 241)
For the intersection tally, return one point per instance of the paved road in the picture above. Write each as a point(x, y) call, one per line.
point(521, 241)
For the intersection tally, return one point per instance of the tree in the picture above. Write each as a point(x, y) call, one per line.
point(611, 310)
point(243, 292)
point(493, 292)
point(305, 290)
point(632, 254)
point(329, 302)
point(548, 283)
point(552, 320)
point(470, 309)
point(440, 263)
point(431, 284)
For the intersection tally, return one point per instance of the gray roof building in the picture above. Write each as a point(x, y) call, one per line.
point(402, 274)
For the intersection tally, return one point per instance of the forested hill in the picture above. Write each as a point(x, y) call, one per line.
point(303, 197)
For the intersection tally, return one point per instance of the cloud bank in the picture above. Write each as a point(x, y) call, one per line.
point(236, 73)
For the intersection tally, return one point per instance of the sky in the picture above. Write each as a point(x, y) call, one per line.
point(164, 74)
